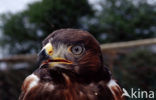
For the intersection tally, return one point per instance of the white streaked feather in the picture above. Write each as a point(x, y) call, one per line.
point(112, 83)
point(34, 81)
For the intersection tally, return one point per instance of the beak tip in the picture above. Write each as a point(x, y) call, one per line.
point(42, 58)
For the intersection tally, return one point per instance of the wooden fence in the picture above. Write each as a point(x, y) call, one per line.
point(111, 48)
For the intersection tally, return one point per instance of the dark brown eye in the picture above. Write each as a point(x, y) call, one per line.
point(77, 50)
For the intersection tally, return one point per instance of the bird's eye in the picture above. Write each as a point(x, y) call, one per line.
point(77, 50)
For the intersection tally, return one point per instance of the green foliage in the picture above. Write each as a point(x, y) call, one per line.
point(137, 70)
point(17, 35)
point(123, 20)
point(118, 20)
point(24, 31)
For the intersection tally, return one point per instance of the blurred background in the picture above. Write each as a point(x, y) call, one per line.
point(129, 24)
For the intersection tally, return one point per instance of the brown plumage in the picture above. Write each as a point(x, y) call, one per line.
point(71, 68)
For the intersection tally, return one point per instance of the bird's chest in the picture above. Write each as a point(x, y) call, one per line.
point(92, 91)
point(77, 91)
point(64, 90)
point(68, 91)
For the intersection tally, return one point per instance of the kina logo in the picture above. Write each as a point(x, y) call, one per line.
point(138, 93)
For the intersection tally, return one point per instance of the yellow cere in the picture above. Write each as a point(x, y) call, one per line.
point(48, 48)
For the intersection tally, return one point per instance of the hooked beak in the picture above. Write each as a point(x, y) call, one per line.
point(46, 60)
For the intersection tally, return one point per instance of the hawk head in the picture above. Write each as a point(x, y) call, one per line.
point(71, 68)
point(74, 50)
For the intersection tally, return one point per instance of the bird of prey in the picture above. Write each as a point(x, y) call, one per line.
point(71, 68)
